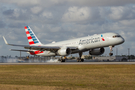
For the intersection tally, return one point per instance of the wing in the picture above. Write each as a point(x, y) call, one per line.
point(41, 48)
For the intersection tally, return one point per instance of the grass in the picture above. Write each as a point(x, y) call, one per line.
point(67, 77)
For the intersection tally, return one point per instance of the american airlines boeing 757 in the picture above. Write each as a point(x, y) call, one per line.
point(94, 44)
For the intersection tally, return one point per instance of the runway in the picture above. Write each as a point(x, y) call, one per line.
point(73, 63)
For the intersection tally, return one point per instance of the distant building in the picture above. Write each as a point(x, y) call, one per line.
point(110, 58)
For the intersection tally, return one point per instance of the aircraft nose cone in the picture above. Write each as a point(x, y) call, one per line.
point(122, 40)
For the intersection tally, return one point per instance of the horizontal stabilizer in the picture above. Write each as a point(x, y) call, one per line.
point(20, 50)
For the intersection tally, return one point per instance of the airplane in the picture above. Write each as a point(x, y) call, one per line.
point(95, 44)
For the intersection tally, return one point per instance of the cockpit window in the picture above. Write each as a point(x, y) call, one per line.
point(116, 36)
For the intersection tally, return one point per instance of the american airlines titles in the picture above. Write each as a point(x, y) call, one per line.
point(91, 40)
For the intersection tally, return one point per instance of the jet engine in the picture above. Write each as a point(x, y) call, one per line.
point(64, 51)
point(98, 51)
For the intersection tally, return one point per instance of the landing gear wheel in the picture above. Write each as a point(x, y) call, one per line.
point(62, 60)
point(111, 47)
point(110, 54)
point(78, 60)
point(82, 60)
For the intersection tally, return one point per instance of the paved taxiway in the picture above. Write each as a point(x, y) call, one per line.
point(73, 63)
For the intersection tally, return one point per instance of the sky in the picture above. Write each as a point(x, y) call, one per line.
point(58, 20)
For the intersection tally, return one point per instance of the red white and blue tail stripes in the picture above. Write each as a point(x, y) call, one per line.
point(32, 39)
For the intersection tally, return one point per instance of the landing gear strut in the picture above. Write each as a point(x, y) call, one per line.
point(111, 47)
point(79, 59)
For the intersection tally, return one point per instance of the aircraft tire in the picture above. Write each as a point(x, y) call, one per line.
point(110, 54)
point(62, 60)
point(82, 60)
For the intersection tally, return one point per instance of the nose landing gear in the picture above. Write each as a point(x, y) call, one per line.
point(111, 47)
point(111, 54)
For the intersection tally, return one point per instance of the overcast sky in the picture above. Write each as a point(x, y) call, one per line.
point(56, 20)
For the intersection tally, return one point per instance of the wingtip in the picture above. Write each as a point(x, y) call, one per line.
point(5, 40)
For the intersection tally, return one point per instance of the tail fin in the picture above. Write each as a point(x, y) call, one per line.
point(32, 39)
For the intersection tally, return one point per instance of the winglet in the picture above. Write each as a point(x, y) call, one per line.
point(5, 40)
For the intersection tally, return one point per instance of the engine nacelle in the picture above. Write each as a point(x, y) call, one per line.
point(97, 51)
point(64, 51)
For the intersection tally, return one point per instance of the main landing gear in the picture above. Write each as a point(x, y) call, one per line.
point(79, 59)
point(62, 59)
point(111, 47)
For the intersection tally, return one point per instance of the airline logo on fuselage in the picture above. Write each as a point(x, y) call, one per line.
point(102, 38)
point(88, 41)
